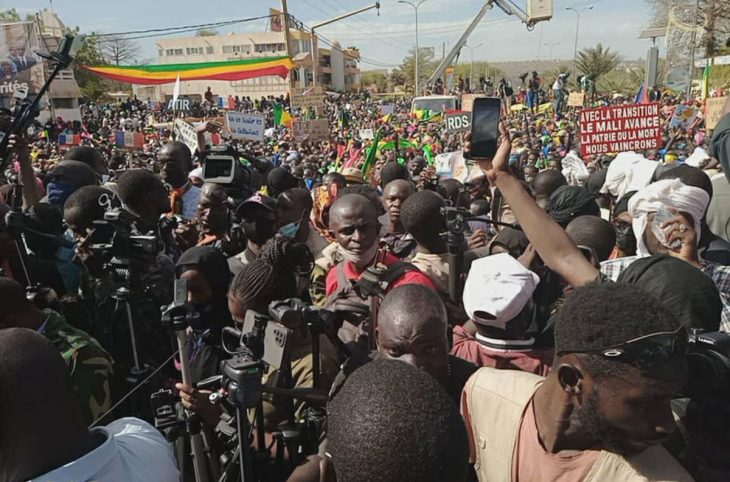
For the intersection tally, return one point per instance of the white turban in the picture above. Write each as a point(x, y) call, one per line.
point(628, 172)
point(574, 170)
point(673, 194)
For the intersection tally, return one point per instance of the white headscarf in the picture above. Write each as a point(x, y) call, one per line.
point(628, 172)
point(673, 194)
point(574, 170)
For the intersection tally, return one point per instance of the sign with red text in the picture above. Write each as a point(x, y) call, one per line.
point(634, 127)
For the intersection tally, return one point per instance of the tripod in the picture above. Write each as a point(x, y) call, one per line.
point(178, 317)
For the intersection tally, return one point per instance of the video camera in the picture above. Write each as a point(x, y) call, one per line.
point(709, 367)
point(116, 239)
point(221, 165)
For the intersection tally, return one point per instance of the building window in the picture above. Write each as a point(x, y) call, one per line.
point(63, 103)
point(228, 49)
point(209, 49)
point(171, 52)
point(161, 53)
point(195, 50)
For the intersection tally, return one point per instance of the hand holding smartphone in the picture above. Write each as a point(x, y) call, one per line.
point(485, 128)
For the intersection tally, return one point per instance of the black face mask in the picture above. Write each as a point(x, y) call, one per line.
point(204, 321)
point(259, 231)
point(625, 238)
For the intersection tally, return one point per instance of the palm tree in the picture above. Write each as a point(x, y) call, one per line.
point(597, 61)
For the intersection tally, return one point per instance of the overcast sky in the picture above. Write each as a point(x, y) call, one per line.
point(385, 39)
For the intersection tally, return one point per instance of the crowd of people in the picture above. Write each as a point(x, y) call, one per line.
point(538, 316)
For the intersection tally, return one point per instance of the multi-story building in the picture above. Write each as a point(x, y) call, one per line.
point(337, 67)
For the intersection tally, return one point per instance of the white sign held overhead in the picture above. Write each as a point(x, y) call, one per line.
point(366, 134)
point(246, 126)
point(186, 134)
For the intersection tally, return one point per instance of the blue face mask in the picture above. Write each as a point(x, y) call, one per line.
point(290, 230)
point(58, 192)
point(309, 183)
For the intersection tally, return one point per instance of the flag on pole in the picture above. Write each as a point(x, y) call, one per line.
point(706, 80)
point(370, 157)
point(642, 97)
point(282, 117)
point(176, 91)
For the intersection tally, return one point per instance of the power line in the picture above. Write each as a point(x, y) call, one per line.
point(183, 28)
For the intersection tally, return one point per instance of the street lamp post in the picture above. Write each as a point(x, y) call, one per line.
point(550, 45)
point(578, 11)
point(471, 65)
point(312, 37)
point(415, 7)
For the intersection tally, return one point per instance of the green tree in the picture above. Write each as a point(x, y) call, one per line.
point(12, 15)
point(206, 32)
point(597, 61)
point(375, 77)
point(93, 87)
point(405, 73)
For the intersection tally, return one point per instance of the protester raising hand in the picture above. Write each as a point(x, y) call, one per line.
point(681, 228)
point(550, 241)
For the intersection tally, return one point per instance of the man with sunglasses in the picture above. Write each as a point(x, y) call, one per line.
point(603, 410)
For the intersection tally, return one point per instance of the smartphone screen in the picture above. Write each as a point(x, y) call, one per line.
point(485, 127)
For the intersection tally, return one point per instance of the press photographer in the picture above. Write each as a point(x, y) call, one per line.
point(127, 277)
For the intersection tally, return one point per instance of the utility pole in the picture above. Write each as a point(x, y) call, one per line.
point(471, 64)
point(578, 11)
point(287, 40)
point(416, 79)
point(315, 54)
point(692, 50)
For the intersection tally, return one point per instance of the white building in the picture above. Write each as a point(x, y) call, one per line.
point(337, 68)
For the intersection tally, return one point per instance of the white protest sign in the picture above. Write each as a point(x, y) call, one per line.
point(306, 98)
point(714, 108)
point(576, 99)
point(246, 126)
point(386, 109)
point(312, 130)
point(186, 134)
point(366, 134)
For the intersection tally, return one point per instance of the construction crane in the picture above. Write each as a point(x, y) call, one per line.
point(539, 10)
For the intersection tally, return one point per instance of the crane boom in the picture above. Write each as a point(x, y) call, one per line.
point(507, 6)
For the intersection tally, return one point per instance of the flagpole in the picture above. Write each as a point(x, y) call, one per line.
point(287, 38)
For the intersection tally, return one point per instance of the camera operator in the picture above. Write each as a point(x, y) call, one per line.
point(208, 276)
point(149, 277)
point(44, 438)
point(354, 224)
point(213, 227)
point(89, 366)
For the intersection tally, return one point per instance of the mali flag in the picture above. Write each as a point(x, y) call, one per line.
point(282, 117)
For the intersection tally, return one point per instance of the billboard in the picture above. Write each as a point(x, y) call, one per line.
point(20, 67)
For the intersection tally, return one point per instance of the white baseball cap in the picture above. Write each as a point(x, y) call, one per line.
point(497, 286)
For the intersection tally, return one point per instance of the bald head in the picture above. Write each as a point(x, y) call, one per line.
point(352, 203)
point(412, 327)
point(214, 192)
point(412, 305)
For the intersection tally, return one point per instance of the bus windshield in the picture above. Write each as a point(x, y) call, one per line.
point(434, 104)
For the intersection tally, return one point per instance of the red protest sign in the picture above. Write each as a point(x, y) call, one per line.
point(620, 128)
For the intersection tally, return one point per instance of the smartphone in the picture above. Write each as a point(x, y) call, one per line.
point(485, 127)
point(662, 215)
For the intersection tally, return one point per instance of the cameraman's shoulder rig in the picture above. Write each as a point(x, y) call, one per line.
point(363, 297)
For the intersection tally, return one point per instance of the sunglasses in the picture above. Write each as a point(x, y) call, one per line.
point(645, 351)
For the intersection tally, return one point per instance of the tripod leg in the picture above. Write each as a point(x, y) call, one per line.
point(132, 337)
